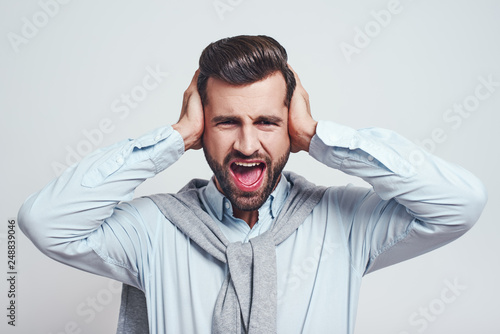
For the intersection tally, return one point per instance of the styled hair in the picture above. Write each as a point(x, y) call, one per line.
point(242, 60)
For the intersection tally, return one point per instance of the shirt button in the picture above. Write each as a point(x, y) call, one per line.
point(157, 138)
point(227, 205)
point(370, 158)
point(119, 160)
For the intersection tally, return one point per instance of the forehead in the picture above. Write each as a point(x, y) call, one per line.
point(264, 96)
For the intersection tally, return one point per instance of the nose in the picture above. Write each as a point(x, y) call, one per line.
point(247, 142)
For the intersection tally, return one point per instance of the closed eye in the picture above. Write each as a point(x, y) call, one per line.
point(226, 123)
point(266, 123)
point(269, 121)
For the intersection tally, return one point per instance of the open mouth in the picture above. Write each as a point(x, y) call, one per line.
point(248, 175)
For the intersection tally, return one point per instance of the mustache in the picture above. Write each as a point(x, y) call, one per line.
point(239, 155)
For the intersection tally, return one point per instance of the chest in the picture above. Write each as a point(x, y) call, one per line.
point(314, 281)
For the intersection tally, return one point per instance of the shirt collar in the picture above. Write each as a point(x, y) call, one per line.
point(219, 204)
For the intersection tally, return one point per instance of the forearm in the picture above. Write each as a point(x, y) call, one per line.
point(414, 208)
point(431, 189)
point(76, 203)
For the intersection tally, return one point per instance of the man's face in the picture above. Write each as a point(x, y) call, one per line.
point(245, 139)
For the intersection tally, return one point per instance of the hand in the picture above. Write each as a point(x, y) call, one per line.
point(191, 120)
point(301, 125)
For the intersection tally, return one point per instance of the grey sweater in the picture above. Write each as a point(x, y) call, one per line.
point(247, 298)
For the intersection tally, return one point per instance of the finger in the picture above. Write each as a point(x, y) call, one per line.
point(297, 79)
point(195, 76)
point(194, 80)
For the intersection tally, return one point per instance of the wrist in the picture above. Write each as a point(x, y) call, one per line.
point(301, 138)
point(308, 134)
point(191, 139)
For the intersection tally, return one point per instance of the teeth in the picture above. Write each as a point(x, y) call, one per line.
point(247, 164)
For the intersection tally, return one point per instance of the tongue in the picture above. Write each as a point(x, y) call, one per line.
point(247, 175)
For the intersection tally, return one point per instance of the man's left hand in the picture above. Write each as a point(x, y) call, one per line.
point(301, 125)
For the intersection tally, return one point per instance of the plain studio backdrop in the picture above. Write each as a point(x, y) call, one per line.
point(79, 75)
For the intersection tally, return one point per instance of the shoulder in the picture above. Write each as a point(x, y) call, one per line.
point(345, 197)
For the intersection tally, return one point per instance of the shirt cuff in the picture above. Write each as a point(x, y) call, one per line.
point(165, 151)
point(353, 151)
point(328, 135)
point(161, 147)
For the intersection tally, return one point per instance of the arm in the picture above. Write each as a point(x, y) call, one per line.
point(78, 218)
point(416, 205)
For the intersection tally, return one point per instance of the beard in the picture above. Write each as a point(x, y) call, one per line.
point(246, 200)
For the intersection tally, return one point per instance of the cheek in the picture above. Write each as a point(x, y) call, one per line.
point(216, 143)
point(277, 144)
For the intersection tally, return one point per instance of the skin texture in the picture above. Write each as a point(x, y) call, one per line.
point(246, 123)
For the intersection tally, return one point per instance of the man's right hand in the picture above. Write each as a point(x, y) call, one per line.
point(191, 121)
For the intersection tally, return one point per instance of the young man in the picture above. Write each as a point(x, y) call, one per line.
point(228, 255)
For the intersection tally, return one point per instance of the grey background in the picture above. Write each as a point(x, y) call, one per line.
point(64, 79)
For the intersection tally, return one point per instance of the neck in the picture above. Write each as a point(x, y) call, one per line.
point(250, 217)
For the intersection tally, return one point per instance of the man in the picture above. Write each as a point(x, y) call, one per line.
point(229, 255)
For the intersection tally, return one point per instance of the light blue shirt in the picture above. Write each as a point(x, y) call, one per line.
point(87, 218)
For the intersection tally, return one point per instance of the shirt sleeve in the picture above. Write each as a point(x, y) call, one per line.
point(81, 219)
point(418, 202)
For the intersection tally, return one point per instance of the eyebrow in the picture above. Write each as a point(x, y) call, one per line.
point(270, 119)
point(223, 118)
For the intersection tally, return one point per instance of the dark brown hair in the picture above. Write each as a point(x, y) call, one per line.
point(242, 60)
